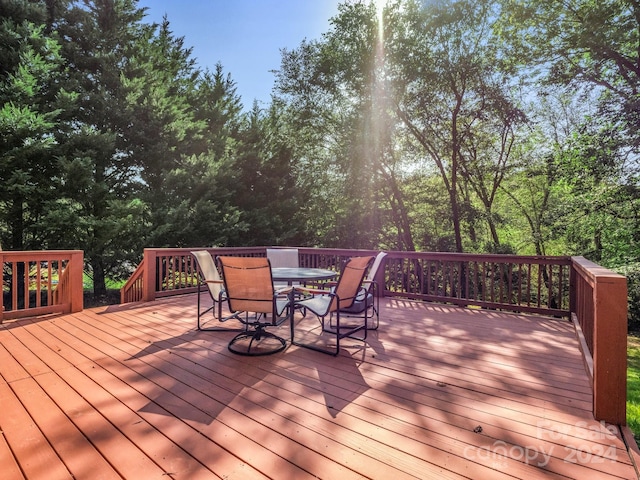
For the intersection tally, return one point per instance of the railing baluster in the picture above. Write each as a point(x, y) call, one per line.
point(49, 289)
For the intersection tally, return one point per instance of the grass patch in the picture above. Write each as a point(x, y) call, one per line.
point(633, 385)
point(111, 297)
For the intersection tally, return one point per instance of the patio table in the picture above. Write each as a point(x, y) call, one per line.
point(301, 274)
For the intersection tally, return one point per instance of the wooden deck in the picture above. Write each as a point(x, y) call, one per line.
point(438, 392)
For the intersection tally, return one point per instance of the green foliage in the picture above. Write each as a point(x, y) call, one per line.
point(586, 42)
point(29, 98)
point(264, 175)
point(633, 385)
point(201, 213)
point(632, 272)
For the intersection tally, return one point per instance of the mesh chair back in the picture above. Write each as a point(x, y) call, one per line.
point(209, 272)
point(283, 257)
point(350, 281)
point(248, 283)
point(376, 266)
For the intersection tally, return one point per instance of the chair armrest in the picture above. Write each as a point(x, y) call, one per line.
point(315, 284)
point(313, 291)
point(284, 290)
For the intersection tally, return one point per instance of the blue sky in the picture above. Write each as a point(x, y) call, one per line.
point(245, 36)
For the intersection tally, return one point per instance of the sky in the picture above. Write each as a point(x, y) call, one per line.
point(245, 36)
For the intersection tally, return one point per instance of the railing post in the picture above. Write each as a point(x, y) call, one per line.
point(76, 268)
point(610, 348)
point(149, 275)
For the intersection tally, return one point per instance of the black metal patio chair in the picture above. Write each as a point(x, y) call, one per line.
point(211, 282)
point(253, 300)
point(329, 303)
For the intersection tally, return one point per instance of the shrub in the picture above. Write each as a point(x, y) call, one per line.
point(632, 272)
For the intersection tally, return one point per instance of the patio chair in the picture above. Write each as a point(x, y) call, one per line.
point(283, 257)
point(249, 290)
point(329, 303)
point(368, 297)
point(210, 277)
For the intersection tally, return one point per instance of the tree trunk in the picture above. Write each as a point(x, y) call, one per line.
point(99, 284)
point(400, 216)
point(455, 158)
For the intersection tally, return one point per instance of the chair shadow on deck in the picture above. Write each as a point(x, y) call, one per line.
point(343, 384)
point(196, 378)
point(195, 365)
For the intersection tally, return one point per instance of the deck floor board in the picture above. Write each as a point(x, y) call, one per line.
point(135, 392)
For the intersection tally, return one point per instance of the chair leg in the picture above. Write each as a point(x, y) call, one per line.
point(374, 317)
point(375, 307)
point(352, 331)
point(376, 322)
point(334, 331)
point(311, 346)
point(212, 308)
point(253, 337)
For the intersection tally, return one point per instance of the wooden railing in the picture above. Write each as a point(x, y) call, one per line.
point(172, 271)
point(505, 282)
point(499, 282)
point(132, 290)
point(599, 307)
point(41, 282)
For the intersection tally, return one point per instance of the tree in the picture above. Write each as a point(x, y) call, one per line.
point(31, 102)
point(534, 198)
point(452, 95)
point(590, 47)
point(265, 174)
point(583, 42)
point(99, 172)
point(195, 190)
point(343, 133)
